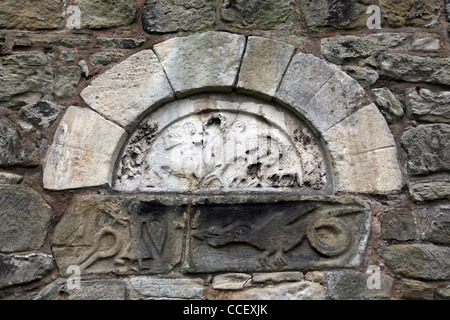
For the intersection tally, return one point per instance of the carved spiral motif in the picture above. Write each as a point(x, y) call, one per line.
point(331, 237)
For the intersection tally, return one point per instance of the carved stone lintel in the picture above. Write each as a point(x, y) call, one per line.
point(149, 234)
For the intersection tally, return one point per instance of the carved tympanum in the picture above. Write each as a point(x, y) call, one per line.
point(221, 142)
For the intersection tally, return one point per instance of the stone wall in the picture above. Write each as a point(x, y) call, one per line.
point(82, 83)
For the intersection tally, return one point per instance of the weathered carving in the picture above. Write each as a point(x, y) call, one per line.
point(220, 142)
point(282, 236)
point(148, 234)
point(124, 236)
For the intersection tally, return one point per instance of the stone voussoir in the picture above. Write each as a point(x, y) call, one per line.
point(364, 154)
point(110, 95)
point(201, 62)
point(83, 150)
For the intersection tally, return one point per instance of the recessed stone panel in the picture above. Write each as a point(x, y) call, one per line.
point(222, 142)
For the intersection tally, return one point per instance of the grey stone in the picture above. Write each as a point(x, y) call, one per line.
point(426, 44)
point(364, 154)
point(320, 91)
point(442, 292)
point(410, 68)
point(66, 82)
point(389, 102)
point(21, 269)
point(258, 14)
point(84, 68)
point(428, 148)
point(413, 13)
point(17, 147)
point(205, 61)
point(447, 9)
point(31, 15)
point(173, 16)
point(302, 290)
point(348, 285)
point(22, 75)
point(24, 219)
point(110, 95)
point(419, 261)
point(121, 235)
point(258, 237)
point(77, 158)
point(346, 14)
point(152, 288)
point(429, 106)
point(434, 224)
point(264, 79)
point(42, 114)
point(121, 43)
point(430, 190)
point(416, 290)
point(36, 40)
point(68, 55)
point(365, 76)
point(397, 224)
point(276, 277)
point(231, 281)
point(107, 289)
point(106, 57)
point(100, 14)
point(10, 178)
point(340, 49)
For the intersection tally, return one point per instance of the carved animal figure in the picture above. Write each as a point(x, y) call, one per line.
point(274, 235)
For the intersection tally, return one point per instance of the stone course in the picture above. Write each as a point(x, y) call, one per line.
point(370, 199)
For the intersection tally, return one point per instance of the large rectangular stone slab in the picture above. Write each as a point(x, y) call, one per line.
point(205, 61)
point(127, 90)
point(83, 150)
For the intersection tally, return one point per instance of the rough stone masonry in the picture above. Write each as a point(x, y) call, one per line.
point(220, 150)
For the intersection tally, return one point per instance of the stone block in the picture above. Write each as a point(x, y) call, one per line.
point(416, 290)
point(26, 78)
point(366, 77)
point(428, 148)
point(429, 190)
point(36, 40)
point(101, 14)
point(17, 147)
point(31, 14)
point(106, 57)
point(419, 261)
point(66, 82)
point(121, 43)
point(40, 115)
point(258, 14)
point(411, 68)
point(205, 61)
point(364, 154)
point(319, 91)
point(24, 219)
point(397, 224)
point(153, 288)
point(352, 285)
point(426, 105)
point(127, 90)
point(231, 281)
point(344, 48)
point(264, 79)
point(434, 224)
point(347, 14)
point(83, 150)
point(409, 13)
point(302, 290)
point(174, 16)
point(276, 277)
point(21, 269)
point(10, 178)
point(389, 102)
point(107, 289)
